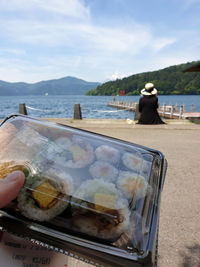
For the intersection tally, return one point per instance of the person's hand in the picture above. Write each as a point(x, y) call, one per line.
point(10, 187)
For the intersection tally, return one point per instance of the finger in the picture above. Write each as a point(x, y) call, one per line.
point(10, 187)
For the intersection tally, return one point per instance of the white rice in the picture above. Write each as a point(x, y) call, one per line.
point(28, 207)
point(103, 170)
point(91, 223)
point(64, 179)
point(60, 152)
point(87, 159)
point(108, 154)
point(118, 230)
point(88, 189)
point(132, 161)
point(132, 185)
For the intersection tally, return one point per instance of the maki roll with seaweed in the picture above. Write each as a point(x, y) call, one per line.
point(100, 210)
point(8, 167)
point(42, 197)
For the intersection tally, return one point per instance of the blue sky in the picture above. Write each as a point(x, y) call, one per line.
point(95, 40)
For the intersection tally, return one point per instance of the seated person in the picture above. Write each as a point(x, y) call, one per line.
point(148, 105)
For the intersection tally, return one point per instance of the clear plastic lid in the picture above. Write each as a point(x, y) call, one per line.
point(81, 183)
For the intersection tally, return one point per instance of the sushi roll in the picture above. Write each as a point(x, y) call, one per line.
point(81, 155)
point(42, 198)
point(132, 185)
point(52, 152)
point(101, 210)
point(66, 153)
point(56, 151)
point(103, 170)
point(89, 188)
point(8, 167)
point(132, 161)
point(73, 153)
point(107, 227)
point(108, 154)
point(66, 181)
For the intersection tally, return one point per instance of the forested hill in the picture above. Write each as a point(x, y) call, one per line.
point(168, 81)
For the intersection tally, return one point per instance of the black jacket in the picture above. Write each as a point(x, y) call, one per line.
point(148, 108)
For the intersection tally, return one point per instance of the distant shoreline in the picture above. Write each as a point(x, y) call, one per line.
point(98, 95)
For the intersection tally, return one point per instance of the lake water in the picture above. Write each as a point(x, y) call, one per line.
point(62, 106)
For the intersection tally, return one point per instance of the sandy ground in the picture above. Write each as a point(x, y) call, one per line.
point(179, 141)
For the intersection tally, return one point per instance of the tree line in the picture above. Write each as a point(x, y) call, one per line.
point(169, 81)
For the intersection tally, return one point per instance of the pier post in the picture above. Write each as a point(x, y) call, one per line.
point(137, 113)
point(22, 109)
point(77, 112)
point(192, 108)
point(164, 108)
point(181, 112)
point(172, 111)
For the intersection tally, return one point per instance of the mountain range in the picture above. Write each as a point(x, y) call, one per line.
point(63, 86)
point(172, 80)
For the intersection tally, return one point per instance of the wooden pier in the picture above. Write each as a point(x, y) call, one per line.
point(131, 106)
point(165, 111)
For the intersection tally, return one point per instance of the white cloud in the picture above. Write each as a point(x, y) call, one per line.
point(120, 39)
point(161, 43)
point(12, 51)
point(117, 75)
point(78, 35)
point(82, 34)
point(56, 38)
point(72, 8)
point(18, 71)
point(11, 5)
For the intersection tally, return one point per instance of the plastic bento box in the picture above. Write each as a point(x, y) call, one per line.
point(90, 196)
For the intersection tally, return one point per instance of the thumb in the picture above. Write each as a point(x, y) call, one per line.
point(10, 187)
